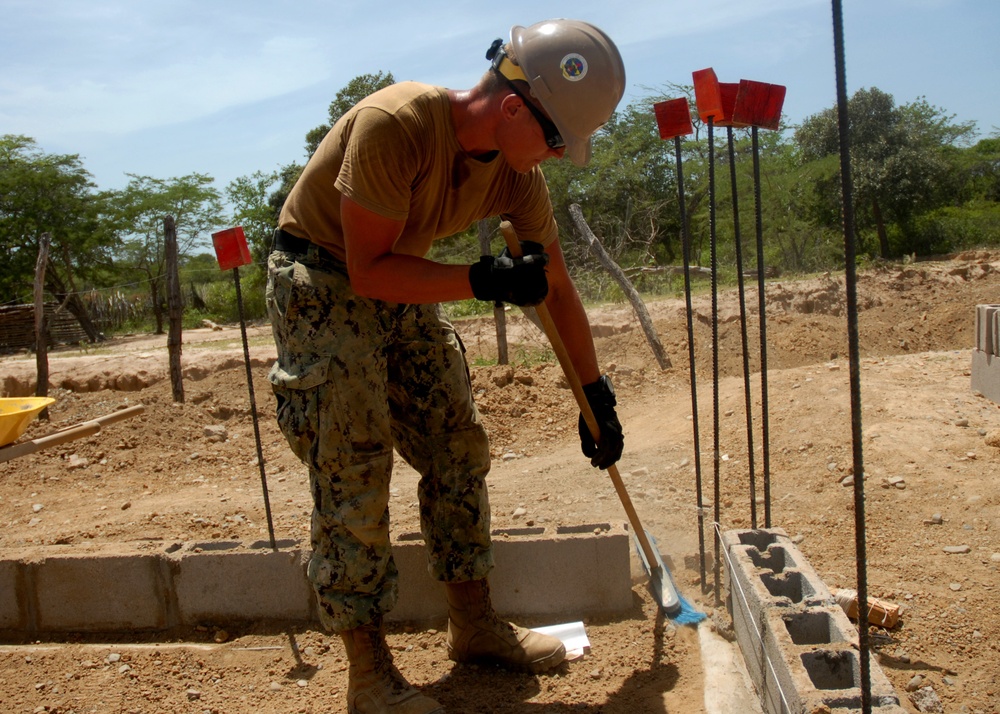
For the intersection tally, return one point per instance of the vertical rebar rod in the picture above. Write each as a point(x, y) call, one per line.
point(748, 402)
point(765, 437)
point(253, 409)
point(717, 511)
point(686, 250)
point(847, 190)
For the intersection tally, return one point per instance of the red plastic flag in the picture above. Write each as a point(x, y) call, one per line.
point(759, 104)
point(231, 248)
point(673, 118)
point(708, 95)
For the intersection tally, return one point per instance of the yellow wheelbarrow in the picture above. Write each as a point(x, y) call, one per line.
point(16, 414)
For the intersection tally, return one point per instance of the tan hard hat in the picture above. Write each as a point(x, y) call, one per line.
point(576, 73)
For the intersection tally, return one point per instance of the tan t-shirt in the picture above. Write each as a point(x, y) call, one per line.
point(396, 154)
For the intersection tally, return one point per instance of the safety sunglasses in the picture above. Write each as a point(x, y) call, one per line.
point(553, 139)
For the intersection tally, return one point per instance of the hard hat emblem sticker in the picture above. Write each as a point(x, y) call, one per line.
point(574, 67)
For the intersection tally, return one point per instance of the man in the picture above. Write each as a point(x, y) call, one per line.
point(366, 360)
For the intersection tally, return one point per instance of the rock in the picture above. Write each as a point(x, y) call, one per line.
point(993, 438)
point(36, 507)
point(915, 683)
point(77, 462)
point(215, 433)
point(193, 695)
point(927, 700)
point(955, 586)
point(503, 376)
point(934, 520)
point(957, 549)
point(520, 512)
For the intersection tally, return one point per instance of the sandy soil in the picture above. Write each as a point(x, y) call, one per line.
point(931, 449)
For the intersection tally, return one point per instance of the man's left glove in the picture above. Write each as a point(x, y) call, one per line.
point(519, 281)
point(601, 397)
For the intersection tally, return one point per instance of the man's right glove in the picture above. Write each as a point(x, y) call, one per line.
point(519, 281)
point(601, 397)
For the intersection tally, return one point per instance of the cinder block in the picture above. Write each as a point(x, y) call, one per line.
point(11, 616)
point(798, 645)
point(988, 329)
point(572, 572)
point(986, 374)
point(225, 582)
point(98, 593)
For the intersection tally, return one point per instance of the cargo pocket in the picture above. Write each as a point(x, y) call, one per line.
point(297, 395)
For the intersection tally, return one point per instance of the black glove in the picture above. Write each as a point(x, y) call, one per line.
point(601, 397)
point(519, 281)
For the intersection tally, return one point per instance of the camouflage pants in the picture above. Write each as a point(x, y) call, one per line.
point(353, 379)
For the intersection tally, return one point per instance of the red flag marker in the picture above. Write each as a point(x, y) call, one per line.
point(728, 91)
point(673, 118)
point(759, 104)
point(231, 248)
point(708, 95)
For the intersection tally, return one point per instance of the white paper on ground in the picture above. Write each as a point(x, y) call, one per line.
point(572, 635)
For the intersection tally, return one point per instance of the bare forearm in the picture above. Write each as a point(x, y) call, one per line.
point(409, 279)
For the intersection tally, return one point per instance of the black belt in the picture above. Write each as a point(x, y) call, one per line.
point(285, 241)
point(290, 244)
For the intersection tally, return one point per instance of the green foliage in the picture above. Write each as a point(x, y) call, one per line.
point(904, 163)
point(137, 213)
point(49, 193)
point(251, 209)
point(951, 229)
point(221, 304)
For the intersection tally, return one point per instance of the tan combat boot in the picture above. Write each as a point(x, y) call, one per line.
point(477, 634)
point(375, 686)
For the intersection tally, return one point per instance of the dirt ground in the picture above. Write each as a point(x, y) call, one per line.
point(931, 450)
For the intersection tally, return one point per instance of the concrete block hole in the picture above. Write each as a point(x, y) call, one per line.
point(813, 628)
point(832, 670)
point(791, 584)
point(761, 540)
point(775, 559)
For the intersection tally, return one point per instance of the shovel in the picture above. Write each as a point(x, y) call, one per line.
point(660, 581)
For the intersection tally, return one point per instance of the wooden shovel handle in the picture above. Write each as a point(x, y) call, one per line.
point(552, 332)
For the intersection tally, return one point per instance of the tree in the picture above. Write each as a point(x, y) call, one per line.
point(253, 211)
point(137, 213)
point(52, 193)
point(902, 159)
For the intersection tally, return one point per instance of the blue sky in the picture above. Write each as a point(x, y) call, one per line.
point(165, 88)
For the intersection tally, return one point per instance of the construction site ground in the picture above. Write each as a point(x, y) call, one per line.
point(931, 451)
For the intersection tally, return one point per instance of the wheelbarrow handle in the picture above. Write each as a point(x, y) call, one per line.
point(87, 428)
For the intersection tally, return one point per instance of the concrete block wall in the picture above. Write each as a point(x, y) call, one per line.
point(799, 647)
point(986, 353)
point(567, 573)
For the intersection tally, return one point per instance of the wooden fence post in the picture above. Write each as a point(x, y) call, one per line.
point(41, 340)
point(174, 308)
